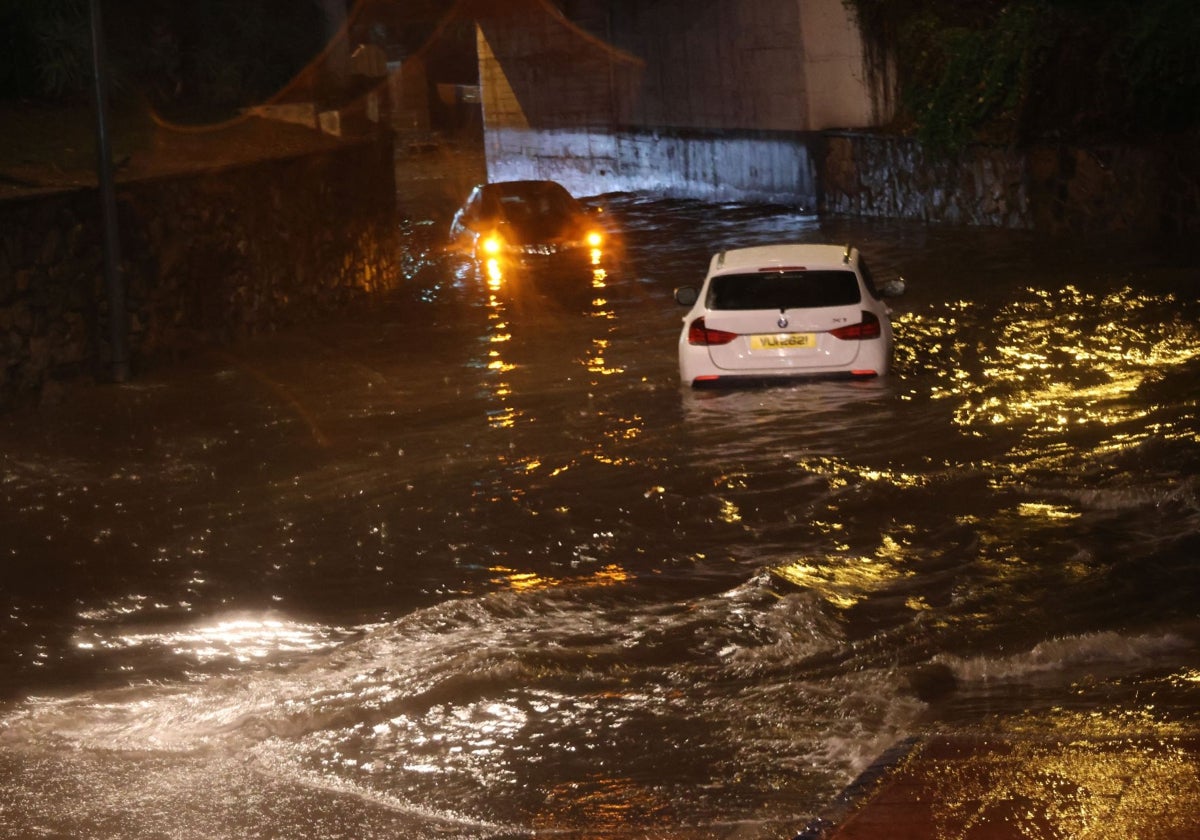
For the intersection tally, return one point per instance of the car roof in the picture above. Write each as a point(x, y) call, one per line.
point(788, 255)
point(528, 187)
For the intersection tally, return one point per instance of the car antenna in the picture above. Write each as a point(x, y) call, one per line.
point(846, 256)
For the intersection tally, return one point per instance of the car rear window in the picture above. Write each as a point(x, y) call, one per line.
point(784, 290)
point(537, 198)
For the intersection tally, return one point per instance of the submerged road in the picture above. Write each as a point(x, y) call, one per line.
point(469, 562)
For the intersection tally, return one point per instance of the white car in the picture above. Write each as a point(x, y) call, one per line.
point(783, 312)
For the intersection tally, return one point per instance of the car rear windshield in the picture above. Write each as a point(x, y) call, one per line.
point(784, 290)
point(533, 197)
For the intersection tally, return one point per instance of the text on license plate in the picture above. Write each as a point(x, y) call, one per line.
point(782, 341)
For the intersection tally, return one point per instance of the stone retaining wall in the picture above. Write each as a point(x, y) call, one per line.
point(207, 257)
point(1049, 188)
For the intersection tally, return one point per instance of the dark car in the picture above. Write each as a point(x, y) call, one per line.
point(513, 220)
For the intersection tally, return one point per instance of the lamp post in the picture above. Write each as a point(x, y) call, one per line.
point(117, 319)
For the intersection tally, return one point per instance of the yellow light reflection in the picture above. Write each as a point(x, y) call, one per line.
point(846, 580)
point(729, 512)
point(524, 581)
point(841, 582)
point(504, 417)
point(610, 574)
point(518, 581)
point(1050, 374)
point(1084, 775)
point(608, 806)
point(495, 274)
point(596, 363)
point(1035, 510)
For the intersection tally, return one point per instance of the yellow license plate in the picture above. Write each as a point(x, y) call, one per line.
point(782, 341)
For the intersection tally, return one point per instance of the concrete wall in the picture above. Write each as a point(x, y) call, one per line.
point(715, 64)
point(838, 90)
point(724, 166)
point(758, 100)
point(699, 98)
point(207, 257)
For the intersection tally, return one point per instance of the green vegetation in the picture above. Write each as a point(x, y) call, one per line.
point(1013, 72)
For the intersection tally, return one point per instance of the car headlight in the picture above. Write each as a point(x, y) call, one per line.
point(594, 239)
point(491, 245)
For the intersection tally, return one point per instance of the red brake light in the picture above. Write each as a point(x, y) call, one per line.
point(868, 327)
point(702, 335)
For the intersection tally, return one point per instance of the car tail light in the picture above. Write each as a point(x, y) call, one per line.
point(702, 335)
point(868, 327)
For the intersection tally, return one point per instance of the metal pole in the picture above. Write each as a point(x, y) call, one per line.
point(117, 318)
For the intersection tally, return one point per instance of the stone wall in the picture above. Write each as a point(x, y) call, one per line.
point(1057, 189)
point(207, 257)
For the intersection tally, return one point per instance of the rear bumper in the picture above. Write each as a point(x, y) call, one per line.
point(753, 381)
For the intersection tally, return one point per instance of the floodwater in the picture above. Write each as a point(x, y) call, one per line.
point(470, 563)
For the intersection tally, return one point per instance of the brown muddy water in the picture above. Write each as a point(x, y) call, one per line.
point(471, 563)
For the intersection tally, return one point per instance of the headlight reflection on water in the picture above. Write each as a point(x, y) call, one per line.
point(241, 640)
point(519, 581)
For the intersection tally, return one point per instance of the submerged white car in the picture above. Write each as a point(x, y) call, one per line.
point(783, 312)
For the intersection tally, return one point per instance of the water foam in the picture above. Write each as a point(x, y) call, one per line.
point(1064, 654)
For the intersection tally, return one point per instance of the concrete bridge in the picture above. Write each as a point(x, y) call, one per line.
point(714, 99)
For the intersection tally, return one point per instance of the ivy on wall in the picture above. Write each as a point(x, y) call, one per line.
point(1012, 72)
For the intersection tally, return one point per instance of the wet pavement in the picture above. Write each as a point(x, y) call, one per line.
point(956, 787)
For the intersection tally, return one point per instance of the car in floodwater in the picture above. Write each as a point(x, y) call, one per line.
point(777, 313)
point(510, 223)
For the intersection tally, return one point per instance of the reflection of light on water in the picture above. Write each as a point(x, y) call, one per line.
point(495, 275)
point(609, 805)
point(844, 581)
point(1052, 373)
point(499, 335)
point(1034, 510)
point(729, 512)
point(498, 364)
point(597, 364)
point(243, 640)
point(1081, 774)
point(839, 473)
point(518, 581)
point(504, 417)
